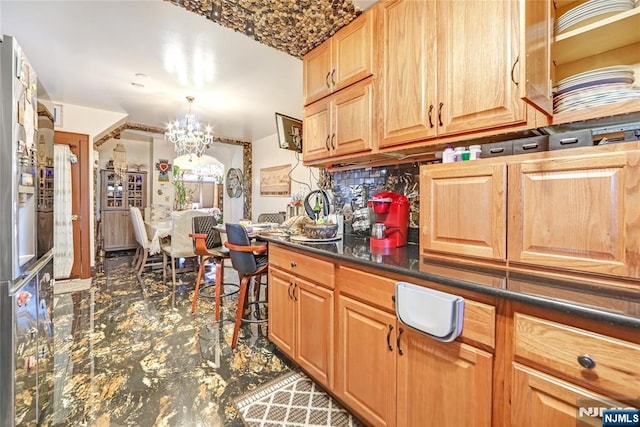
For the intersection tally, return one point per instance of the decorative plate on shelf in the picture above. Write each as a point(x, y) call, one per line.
point(234, 182)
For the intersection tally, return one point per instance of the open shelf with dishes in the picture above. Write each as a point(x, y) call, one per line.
point(594, 37)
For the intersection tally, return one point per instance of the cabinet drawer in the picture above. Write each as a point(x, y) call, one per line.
point(317, 270)
point(557, 348)
point(370, 288)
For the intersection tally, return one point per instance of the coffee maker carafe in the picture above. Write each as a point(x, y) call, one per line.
point(391, 212)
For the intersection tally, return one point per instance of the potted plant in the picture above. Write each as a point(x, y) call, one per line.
point(180, 198)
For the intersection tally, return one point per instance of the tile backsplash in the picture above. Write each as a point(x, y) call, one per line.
point(352, 189)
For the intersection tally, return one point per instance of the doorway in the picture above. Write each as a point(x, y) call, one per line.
point(80, 201)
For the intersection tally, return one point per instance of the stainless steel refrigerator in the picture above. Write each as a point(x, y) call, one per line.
point(26, 271)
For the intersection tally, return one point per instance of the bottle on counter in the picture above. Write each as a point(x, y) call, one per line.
point(457, 154)
point(475, 150)
point(447, 154)
point(317, 208)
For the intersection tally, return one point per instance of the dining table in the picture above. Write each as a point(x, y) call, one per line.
point(157, 230)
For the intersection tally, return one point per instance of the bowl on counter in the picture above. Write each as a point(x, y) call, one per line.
point(320, 231)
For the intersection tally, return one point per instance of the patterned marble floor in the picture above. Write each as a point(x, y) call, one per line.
point(127, 354)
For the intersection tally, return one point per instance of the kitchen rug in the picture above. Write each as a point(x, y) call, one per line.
point(293, 400)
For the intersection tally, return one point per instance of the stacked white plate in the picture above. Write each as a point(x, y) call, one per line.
point(589, 10)
point(594, 88)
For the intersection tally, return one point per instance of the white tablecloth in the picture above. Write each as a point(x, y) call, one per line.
point(156, 230)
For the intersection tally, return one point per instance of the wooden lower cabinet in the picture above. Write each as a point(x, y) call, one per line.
point(366, 357)
point(543, 400)
point(301, 323)
point(117, 230)
point(449, 384)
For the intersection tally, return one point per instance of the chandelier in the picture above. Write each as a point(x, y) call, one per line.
point(120, 161)
point(189, 139)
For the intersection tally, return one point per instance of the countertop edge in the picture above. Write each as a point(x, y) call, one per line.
point(614, 319)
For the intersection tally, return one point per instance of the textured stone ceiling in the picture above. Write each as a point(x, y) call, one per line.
point(292, 26)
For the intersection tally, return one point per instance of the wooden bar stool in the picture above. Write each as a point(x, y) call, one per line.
point(207, 244)
point(251, 262)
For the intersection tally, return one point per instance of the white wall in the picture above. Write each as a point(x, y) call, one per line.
point(89, 121)
point(267, 153)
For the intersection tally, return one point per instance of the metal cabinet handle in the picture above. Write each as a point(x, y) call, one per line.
point(398, 342)
point(430, 113)
point(496, 150)
point(389, 338)
point(326, 80)
point(326, 143)
point(333, 74)
point(567, 141)
point(586, 361)
point(531, 146)
point(293, 264)
point(440, 113)
point(295, 286)
point(333, 137)
point(289, 290)
point(513, 69)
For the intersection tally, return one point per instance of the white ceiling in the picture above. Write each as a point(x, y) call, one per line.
point(88, 53)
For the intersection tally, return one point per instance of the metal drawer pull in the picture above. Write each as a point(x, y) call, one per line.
point(586, 361)
point(326, 143)
point(326, 80)
point(398, 342)
point(295, 286)
point(293, 264)
point(289, 290)
point(496, 150)
point(333, 74)
point(440, 113)
point(389, 338)
point(531, 146)
point(567, 141)
point(333, 137)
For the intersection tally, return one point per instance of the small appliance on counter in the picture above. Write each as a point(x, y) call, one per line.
point(391, 226)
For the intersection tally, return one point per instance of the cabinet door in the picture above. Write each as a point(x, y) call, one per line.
point(367, 361)
point(448, 384)
point(352, 51)
point(117, 230)
point(407, 84)
point(463, 209)
point(317, 131)
point(314, 335)
point(542, 400)
point(534, 79)
point(352, 120)
point(316, 66)
point(281, 311)
point(579, 213)
point(477, 49)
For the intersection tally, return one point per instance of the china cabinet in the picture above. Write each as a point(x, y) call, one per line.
point(117, 196)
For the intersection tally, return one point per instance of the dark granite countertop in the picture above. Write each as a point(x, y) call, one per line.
point(602, 303)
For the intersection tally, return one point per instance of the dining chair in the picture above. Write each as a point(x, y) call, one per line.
point(277, 217)
point(251, 263)
point(181, 245)
point(207, 244)
point(141, 259)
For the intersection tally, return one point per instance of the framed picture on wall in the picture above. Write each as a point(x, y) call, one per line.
point(275, 181)
point(57, 115)
point(289, 132)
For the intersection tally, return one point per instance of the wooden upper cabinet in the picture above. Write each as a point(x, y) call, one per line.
point(344, 59)
point(534, 57)
point(463, 209)
point(446, 68)
point(579, 213)
point(407, 84)
point(340, 124)
point(477, 49)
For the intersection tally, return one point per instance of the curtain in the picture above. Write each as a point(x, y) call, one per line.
point(62, 226)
